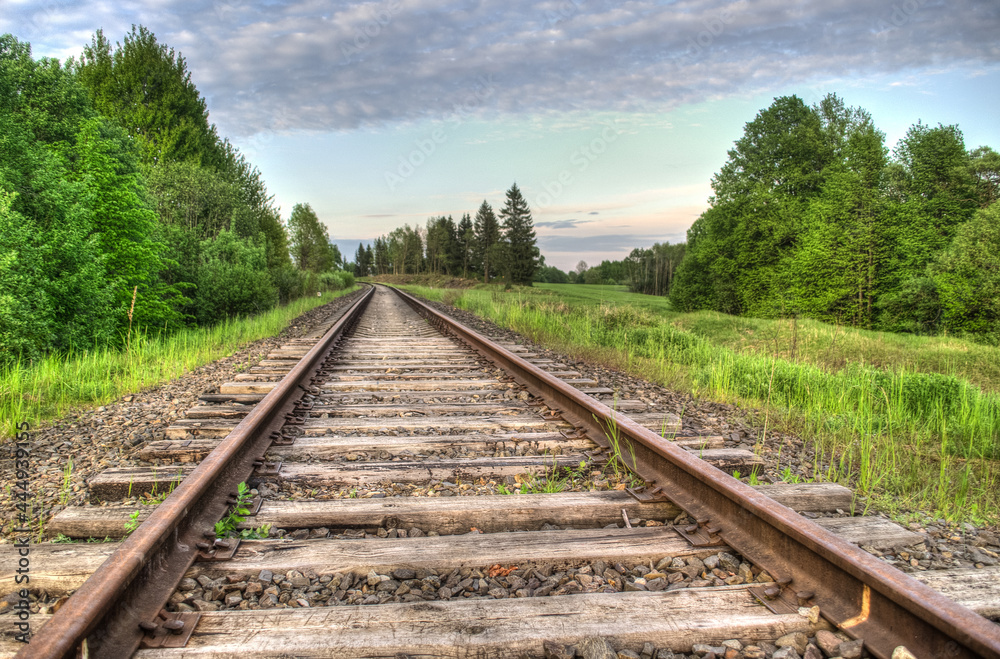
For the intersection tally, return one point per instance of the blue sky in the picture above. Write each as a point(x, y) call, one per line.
point(611, 116)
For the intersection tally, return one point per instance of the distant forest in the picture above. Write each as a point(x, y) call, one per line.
point(812, 215)
point(487, 247)
point(121, 208)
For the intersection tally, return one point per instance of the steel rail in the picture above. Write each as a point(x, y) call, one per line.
point(855, 591)
point(134, 583)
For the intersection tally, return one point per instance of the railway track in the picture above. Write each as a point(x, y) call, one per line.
point(431, 493)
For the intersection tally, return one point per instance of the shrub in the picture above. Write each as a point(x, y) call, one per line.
point(233, 279)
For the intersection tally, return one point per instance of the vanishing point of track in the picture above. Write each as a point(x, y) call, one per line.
point(396, 392)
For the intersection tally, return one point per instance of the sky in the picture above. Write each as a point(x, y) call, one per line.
point(611, 117)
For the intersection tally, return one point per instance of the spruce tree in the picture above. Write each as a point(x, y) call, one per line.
point(519, 238)
point(488, 250)
point(466, 239)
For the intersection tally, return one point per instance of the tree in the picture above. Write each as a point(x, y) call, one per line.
point(984, 165)
point(651, 271)
point(361, 264)
point(519, 238)
point(310, 242)
point(146, 87)
point(488, 248)
point(441, 245)
point(466, 241)
point(967, 276)
point(84, 237)
point(740, 248)
point(382, 261)
point(840, 265)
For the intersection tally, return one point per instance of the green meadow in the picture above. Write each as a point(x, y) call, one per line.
point(912, 423)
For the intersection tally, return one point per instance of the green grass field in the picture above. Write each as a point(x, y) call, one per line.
point(913, 422)
point(56, 383)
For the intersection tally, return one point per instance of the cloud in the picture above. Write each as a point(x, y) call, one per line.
point(313, 65)
point(562, 224)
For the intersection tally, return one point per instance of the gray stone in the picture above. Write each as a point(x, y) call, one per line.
point(729, 562)
point(403, 573)
point(711, 562)
point(851, 649)
point(627, 654)
point(202, 605)
point(827, 642)
point(595, 647)
point(813, 652)
point(187, 584)
point(647, 650)
point(797, 640)
point(664, 653)
point(787, 652)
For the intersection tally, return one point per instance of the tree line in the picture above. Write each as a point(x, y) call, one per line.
point(121, 206)
point(487, 246)
point(812, 215)
point(648, 270)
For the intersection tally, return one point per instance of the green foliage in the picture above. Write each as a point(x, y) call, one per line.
point(520, 252)
point(77, 234)
point(551, 275)
point(309, 241)
point(147, 88)
point(488, 250)
point(133, 522)
point(651, 271)
point(811, 217)
point(227, 526)
point(233, 279)
point(967, 277)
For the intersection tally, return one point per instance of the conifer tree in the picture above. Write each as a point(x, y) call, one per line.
point(519, 238)
point(466, 240)
point(488, 249)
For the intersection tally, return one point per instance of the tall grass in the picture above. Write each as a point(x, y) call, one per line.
point(908, 439)
point(56, 383)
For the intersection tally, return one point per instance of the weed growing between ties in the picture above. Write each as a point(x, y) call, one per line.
point(903, 435)
point(227, 527)
point(54, 384)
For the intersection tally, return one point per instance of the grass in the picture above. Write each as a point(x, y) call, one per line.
point(911, 422)
point(53, 385)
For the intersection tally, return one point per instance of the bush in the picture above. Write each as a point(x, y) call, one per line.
point(336, 280)
point(233, 279)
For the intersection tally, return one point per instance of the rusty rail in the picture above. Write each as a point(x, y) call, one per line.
point(855, 591)
point(133, 584)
